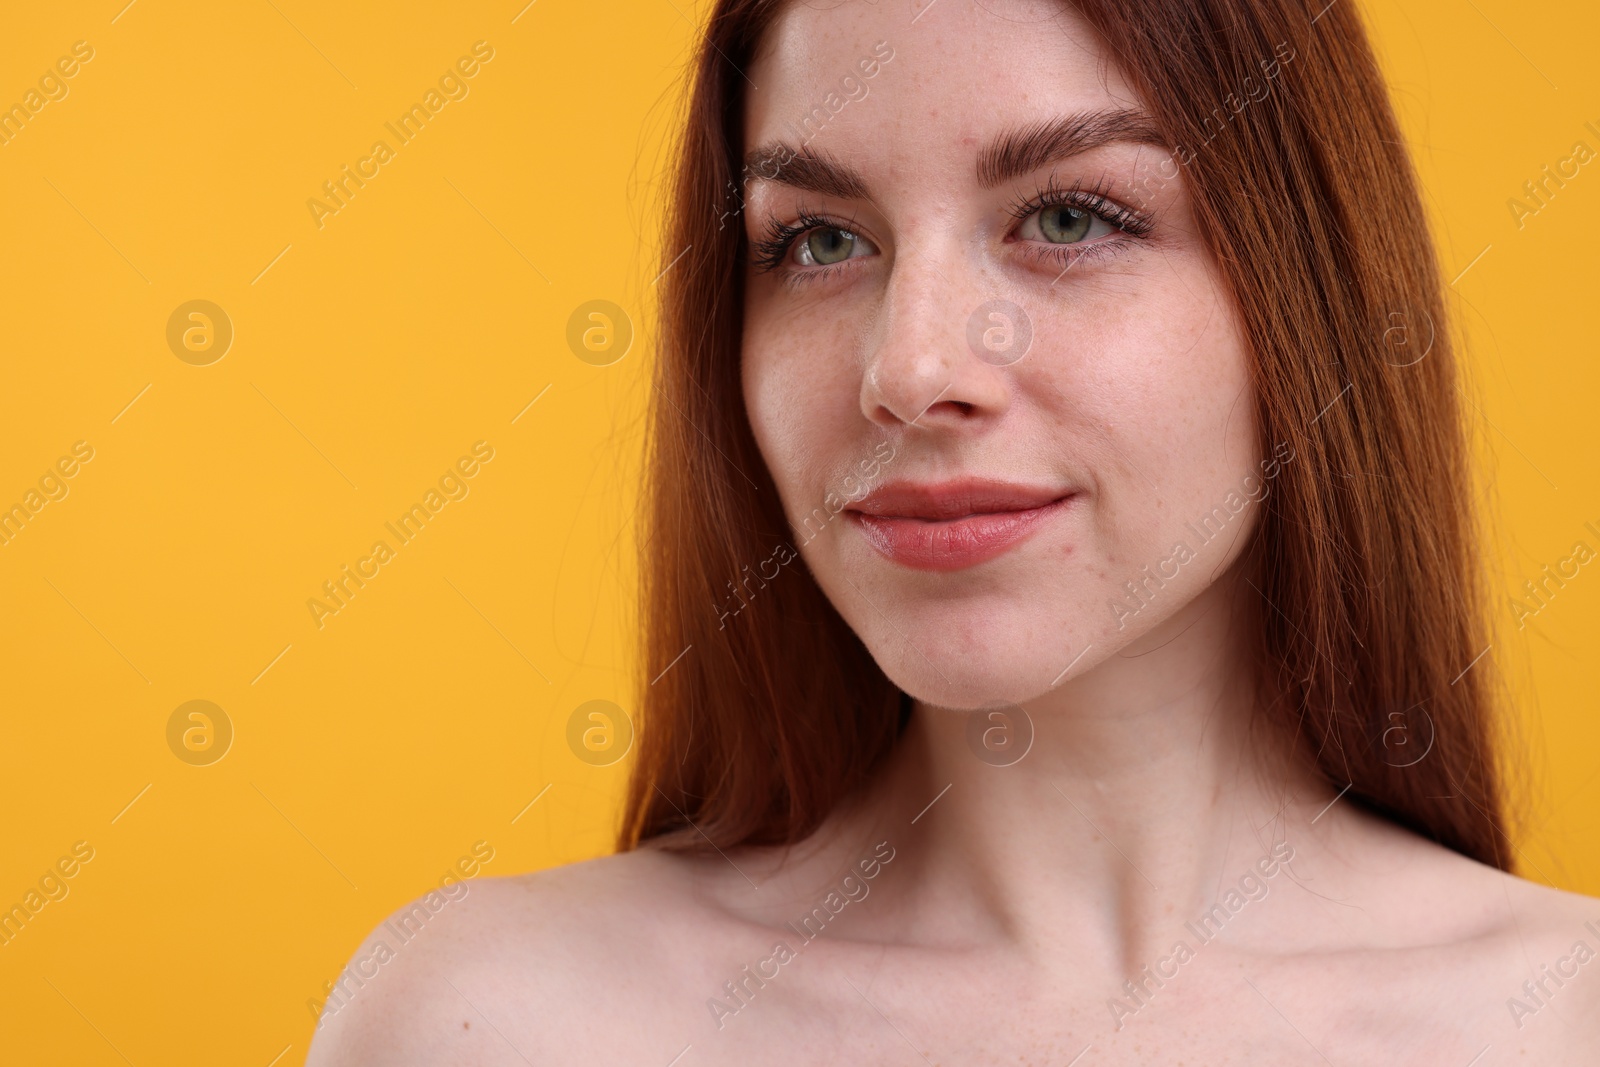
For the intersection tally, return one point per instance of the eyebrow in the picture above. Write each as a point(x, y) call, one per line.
point(807, 169)
point(1020, 151)
point(1009, 156)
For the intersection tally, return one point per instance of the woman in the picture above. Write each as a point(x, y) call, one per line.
point(1063, 622)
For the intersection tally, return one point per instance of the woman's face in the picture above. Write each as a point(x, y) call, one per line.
point(988, 359)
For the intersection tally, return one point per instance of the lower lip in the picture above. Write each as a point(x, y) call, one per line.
point(952, 544)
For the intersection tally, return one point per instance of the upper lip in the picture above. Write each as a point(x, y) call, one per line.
point(955, 499)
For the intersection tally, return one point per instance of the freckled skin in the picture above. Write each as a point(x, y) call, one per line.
point(1021, 900)
point(1135, 389)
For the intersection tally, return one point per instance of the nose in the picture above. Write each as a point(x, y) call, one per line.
point(923, 365)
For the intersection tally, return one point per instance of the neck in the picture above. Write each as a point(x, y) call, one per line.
point(1151, 785)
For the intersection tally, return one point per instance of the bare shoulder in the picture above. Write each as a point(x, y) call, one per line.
point(1493, 910)
point(515, 968)
point(1538, 971)
point(1512, 963)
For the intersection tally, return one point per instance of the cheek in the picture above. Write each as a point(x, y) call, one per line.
point(1162, 399)
point(1193, 386)
point(801, 388)
point(1203, 366)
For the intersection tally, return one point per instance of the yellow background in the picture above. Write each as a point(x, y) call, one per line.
point(372, 752)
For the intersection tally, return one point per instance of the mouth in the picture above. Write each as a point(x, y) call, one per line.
point(949, 526)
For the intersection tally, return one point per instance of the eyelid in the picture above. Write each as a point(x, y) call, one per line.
point(1095, 198)
point(1130, 225)
point(771, 252)
point(1035, 221)
point(858, 241)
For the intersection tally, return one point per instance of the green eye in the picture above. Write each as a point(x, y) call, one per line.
point(1063, 225)
point(825, 246)
point(1066, 224)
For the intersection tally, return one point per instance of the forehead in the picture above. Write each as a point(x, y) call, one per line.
point(955, 73)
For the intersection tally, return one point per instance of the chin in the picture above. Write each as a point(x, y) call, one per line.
point(967, 659)
point(966, 693)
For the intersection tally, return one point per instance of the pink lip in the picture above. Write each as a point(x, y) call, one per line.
point(947, 526)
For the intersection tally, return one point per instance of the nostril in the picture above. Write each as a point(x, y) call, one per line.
point(962, 408)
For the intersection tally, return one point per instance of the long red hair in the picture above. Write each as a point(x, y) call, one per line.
point(761, 710)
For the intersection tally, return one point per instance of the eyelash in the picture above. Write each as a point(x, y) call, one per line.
point(774, 247)
point(1096, 200)
point(770, 251)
